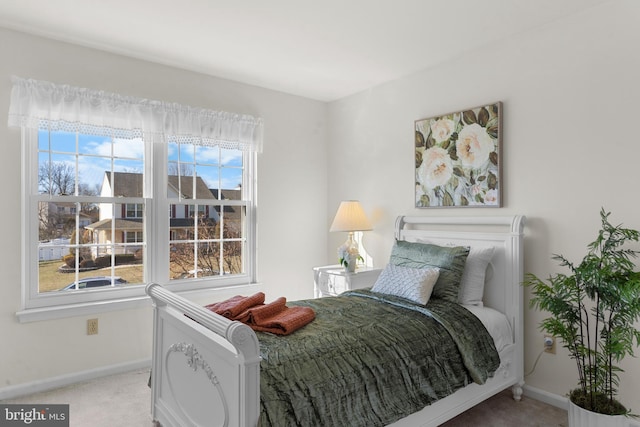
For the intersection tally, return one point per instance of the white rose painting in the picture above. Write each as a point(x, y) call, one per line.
point(458, 158)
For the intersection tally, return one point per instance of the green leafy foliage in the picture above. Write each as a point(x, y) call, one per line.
point(593, 311)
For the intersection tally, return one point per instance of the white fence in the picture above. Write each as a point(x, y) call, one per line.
point(53, 250)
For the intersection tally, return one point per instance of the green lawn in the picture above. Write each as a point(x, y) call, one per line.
point(51, 279)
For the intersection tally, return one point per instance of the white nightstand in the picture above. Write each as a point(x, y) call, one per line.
point(332, 280)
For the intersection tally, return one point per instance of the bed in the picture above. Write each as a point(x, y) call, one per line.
point(207, 369)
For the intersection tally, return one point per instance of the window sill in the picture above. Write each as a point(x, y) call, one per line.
point(80, 309)
point(95, 307)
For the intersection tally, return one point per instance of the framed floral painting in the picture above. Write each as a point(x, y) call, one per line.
point(458, 159)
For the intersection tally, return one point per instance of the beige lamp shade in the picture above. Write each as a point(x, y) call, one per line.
point(350, 217)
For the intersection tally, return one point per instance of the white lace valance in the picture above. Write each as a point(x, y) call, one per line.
point(38, 104)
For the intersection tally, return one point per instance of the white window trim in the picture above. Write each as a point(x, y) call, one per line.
point(91, 308)
point(37, 307)
point(29, 103)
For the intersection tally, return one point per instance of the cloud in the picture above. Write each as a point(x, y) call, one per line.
point(233, 157)
point(125, 148)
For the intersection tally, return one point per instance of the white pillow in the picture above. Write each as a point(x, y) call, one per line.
point(473, 276)
point(414, 284)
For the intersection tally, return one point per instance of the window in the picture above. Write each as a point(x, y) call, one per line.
point(201, 175)
point(76, 172)
point(133, 237)
point(102, 201)
point(133, 210)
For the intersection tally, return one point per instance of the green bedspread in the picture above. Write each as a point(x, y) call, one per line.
point(369, 360)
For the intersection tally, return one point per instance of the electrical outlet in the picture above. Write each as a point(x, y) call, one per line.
point(92, 327)
point(550, 344)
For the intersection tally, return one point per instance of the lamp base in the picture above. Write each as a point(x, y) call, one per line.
point(348, 254)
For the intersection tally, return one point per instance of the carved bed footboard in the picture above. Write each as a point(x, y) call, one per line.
point(206, 369)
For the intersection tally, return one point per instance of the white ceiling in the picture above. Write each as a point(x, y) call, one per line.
point(320, 49)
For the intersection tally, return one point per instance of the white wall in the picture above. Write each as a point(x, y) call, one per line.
point(292, 195)
point(571, 105)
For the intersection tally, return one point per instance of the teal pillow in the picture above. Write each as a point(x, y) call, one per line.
point(450, 261)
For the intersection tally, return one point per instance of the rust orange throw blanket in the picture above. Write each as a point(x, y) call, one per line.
point(236, 306)
point(274, 317)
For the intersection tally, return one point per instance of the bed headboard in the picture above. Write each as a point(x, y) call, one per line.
point(503, 288)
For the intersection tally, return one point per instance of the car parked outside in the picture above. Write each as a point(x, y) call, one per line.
point(94, 282)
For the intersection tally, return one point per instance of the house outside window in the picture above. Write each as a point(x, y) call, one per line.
point(123, 197)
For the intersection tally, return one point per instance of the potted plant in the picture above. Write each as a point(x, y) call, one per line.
point(593, 311)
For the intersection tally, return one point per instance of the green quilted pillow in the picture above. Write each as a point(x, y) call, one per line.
point(450, 261)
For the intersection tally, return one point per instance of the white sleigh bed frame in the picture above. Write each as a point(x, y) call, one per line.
point(206, 369)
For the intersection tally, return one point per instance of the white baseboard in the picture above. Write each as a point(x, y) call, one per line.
point(14, 391)
point(546, 397)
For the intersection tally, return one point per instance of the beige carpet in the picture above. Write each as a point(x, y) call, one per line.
point(502, 411)
point(115, 401)
point(124, 400)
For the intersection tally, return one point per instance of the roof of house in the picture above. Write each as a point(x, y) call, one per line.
point(125, 184)
point(184, 186)
point(129, 184)
point(120, 224)
point(227, 194)
point(136, 224)
point(189, 222)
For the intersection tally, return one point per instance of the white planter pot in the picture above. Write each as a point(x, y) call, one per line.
point(579, 417)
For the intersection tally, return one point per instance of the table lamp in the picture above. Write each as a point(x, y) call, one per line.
point(350, 217)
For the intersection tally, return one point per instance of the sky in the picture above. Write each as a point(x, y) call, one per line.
point(94, 155)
